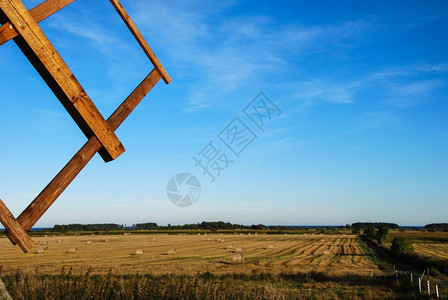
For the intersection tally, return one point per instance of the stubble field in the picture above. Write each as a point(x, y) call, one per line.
point(332, 254)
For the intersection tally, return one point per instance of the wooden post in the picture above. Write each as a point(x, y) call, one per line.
point(411, 278)
point(4, 295)
point(437, 291)
point(39, 13)
point(52, 68)
point(21, 24)
point(14, 230)
point(55, 188)
point(420, 285)
point(141, 41)
point(429, 289)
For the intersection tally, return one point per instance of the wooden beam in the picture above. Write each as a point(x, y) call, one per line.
point(39, 13)
point(50, 65)
point(55, 188)
point(140, 39)
point(15, 231)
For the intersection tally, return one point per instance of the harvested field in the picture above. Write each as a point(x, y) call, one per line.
point(439, 250)
point(332, 254)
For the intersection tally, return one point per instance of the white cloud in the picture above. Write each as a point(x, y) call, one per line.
point(413, 94)
point(221, 54)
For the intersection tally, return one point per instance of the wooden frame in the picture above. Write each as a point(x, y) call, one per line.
point(21, 25)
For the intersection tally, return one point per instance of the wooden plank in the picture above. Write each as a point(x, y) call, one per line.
point(142, 42)
point(39, 13)
point(50, 65)
point(16, 233)
point(55, 188)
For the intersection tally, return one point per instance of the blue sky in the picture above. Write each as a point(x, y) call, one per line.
point(362, 135)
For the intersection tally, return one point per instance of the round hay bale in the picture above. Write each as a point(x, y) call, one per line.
point(239, 249)
point(238, 258)
point(139, 252)
point(73, 250)
point(60, 241)
point(270, 246)
point(327, 252)
point(153, 240)
point(88, 242)
point(256, 233)
point(223, 240)
point(208, 239)
point(230, 246)
point(105, 240)
point(218, 240)
point(172, 251)
point(42, 250)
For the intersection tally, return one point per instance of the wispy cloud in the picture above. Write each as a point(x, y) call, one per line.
point(413, 94)
point(222, 54)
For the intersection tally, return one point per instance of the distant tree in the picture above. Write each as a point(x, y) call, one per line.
point(400, 244)
point(364, 225)
point(437, 226)
point(369, 232)
point(259, 226)
point(381, 233)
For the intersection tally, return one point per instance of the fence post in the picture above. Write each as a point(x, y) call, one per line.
point(437, 291)
point(429, 289)
point(411, 278)
point(4, 295)
point(420, 285)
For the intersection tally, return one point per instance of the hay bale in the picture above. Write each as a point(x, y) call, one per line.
point(72, 250)
point(88, 242)
point(239, 249)
point(256, 233)
point(60, 241)
point(223, 240)
point(153, 240)
point(139, 252)
point(172, 251)
point(238, 258)
point(218, 240)
point(270, 246)
point(230, 246)
point(208, 239)
point(105, 240)
point(42, 250)
point(326, 251)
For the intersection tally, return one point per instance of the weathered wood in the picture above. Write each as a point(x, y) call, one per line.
point(16, 233)
point(55, 188)
point(50, 65)
point(39, 13)
point(142, 42)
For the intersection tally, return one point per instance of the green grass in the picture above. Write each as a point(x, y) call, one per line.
point(373, 257)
